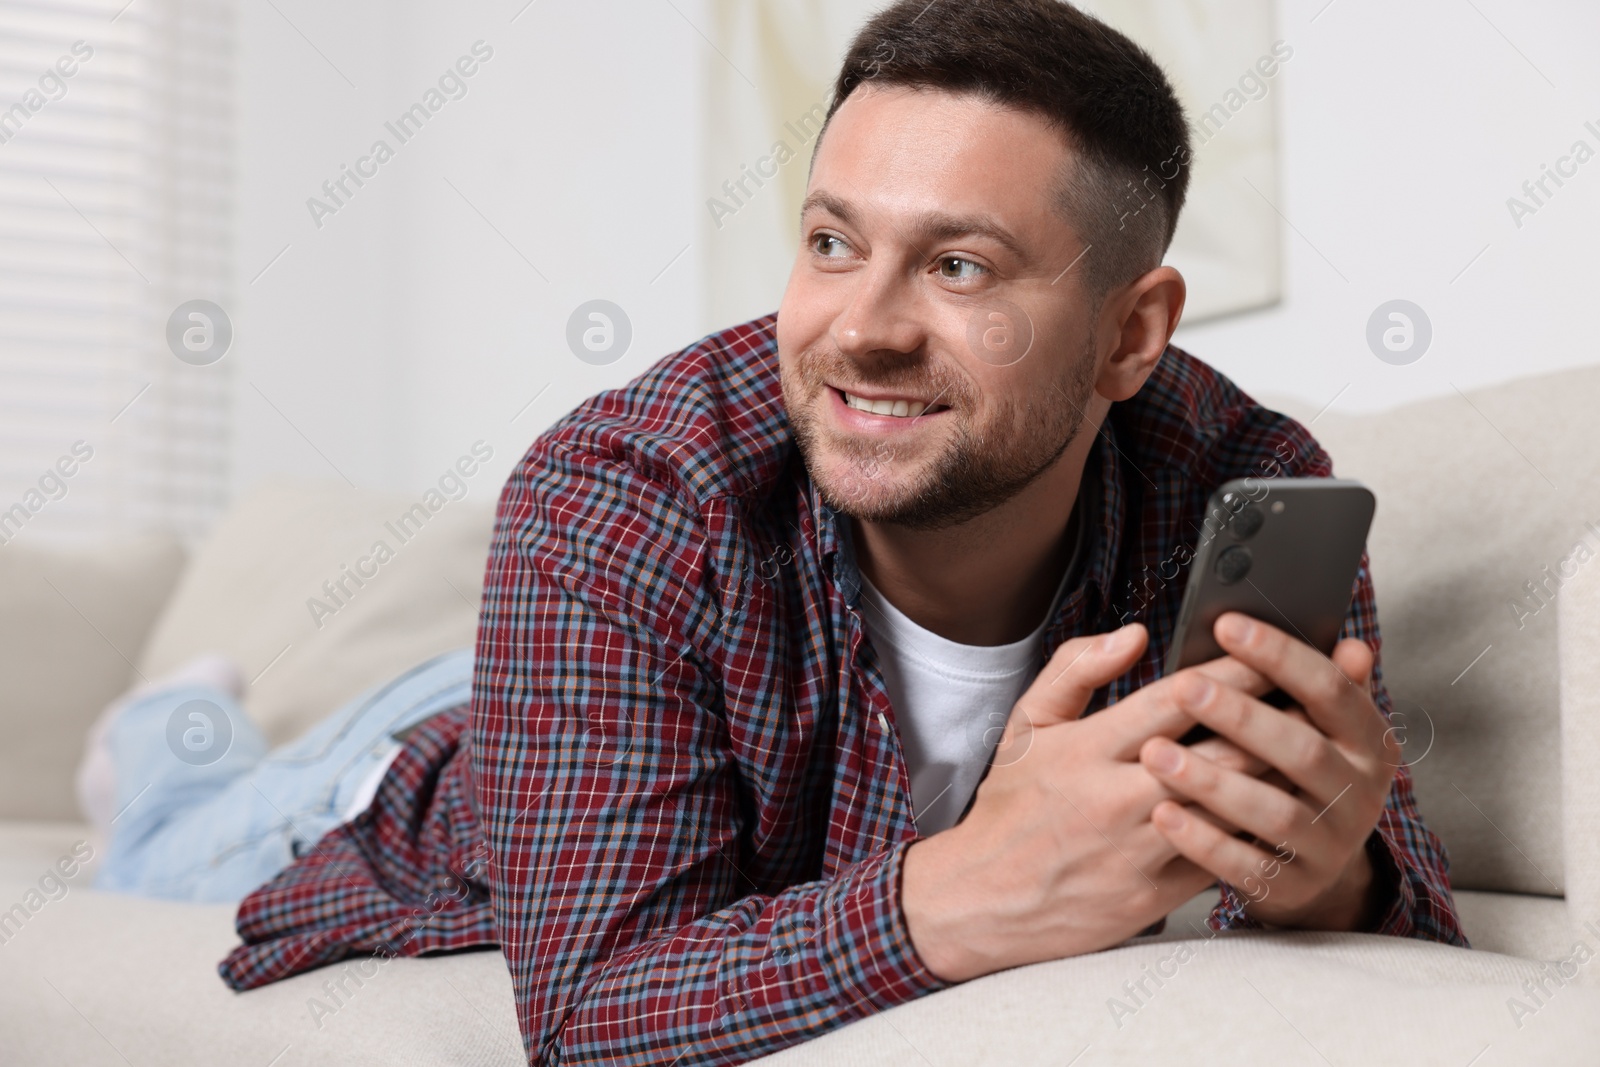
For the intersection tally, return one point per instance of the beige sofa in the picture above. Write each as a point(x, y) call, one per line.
point(1478, 495)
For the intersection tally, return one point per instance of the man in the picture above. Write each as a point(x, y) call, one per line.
point(788, 653)
point(710, 832)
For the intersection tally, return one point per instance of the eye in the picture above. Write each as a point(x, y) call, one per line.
point(958, 268)
point(827, 244)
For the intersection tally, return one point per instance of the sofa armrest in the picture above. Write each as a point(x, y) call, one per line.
point(72, 623)
point(1578, 648)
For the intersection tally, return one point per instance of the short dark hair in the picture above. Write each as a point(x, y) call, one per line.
point(1114, 104)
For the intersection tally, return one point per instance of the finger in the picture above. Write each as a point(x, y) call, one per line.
point(1225, 753)
point(1224, 856)
point(1075, 671)
point(1286, 743)
point(1230, 671)
point(1234, 759)
point(1275, 777)
point(1131, 722)
point(1215, 820)
point(1248, 803)
point(1147, 851)
point(1119, 730)
point(1333, 691)
point(1185, 877)
point(1355, 660)
point(1153, 711)
point(1152, 791)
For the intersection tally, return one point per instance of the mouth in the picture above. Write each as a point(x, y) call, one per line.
point(895, 407)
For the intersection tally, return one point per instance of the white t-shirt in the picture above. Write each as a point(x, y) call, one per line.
point(951, 701)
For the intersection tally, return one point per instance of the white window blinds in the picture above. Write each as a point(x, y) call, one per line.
point(115, 176)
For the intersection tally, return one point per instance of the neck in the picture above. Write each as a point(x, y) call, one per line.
point(990, 580)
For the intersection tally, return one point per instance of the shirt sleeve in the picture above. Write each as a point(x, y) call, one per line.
point(1410, 861)
point(614, 810)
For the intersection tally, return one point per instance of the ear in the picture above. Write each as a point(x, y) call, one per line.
point(1137, 321)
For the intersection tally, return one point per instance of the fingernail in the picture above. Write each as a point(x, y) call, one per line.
point(1197, 693)
point(1168, 817)
point(1113, 640)
point(1167, 758)
point(1122, 639)
point(1236, 627)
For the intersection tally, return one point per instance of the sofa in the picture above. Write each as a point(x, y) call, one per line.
point(1487, 525)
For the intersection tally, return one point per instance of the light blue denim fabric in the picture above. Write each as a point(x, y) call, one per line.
point(199, 826)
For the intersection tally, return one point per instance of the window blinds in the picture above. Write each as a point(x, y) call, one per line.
point(115, 177)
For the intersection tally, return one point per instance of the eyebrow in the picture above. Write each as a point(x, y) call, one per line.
point(930, 226)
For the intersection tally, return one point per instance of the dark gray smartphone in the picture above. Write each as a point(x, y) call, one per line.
point(1283, 550)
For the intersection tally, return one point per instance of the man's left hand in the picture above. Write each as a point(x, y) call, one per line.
point(1335, 756)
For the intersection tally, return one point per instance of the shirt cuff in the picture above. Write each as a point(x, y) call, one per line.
point(1229, 914)
point(874, 956)
point(1398, 900)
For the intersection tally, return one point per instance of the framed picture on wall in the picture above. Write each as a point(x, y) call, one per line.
point(768, 80)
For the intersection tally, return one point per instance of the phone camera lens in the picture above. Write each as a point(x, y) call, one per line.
point(1245, 524)
point(1233, 564)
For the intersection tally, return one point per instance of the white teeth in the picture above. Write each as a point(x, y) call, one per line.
point(897, 408)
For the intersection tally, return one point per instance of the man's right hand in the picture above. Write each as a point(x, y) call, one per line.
point(1058, 856)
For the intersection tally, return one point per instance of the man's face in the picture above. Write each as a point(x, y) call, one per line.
point(936, 352)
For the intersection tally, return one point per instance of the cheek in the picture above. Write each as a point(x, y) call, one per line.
point(1003, 394)
point(785, 334)
point(802, 317)
point(1012, 356)
point(994, 334)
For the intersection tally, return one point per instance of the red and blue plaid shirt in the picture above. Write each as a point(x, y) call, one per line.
point(688, 783)
point(686, 760)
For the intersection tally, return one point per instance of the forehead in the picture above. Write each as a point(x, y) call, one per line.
point(912, 149)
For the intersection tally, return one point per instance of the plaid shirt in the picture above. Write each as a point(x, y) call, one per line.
point(686, 763)
point(403, 878)
point(682, 809)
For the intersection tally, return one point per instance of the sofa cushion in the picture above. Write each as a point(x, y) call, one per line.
point(320, 592)
point(1518, 924)
point(94, 978)
point(1248, 998)
point(1481, 497)
point(72, 623)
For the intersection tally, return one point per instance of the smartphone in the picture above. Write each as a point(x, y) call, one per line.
point(1283, 550)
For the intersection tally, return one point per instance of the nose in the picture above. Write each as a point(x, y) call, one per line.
point(880, 316)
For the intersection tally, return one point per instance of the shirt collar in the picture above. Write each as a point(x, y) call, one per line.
point(1102, 495)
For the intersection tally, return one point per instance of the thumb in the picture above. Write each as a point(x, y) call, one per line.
point(1354, 659)
point(1078, 668)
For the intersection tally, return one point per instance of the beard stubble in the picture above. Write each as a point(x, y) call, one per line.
point(976, 469)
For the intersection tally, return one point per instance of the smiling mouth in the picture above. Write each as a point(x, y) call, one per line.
point(894, 407)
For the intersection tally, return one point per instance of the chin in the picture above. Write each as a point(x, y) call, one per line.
point(860, 488)
point(900, 500)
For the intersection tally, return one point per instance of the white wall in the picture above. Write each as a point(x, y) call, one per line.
point(406, 328)
point(1404, 128)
